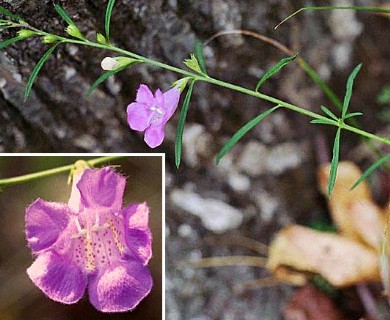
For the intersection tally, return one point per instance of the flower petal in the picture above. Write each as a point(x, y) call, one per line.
point(159, 98)
point(44, 223)
point(154, 135)
point(138, 116)
point(121, 287)
point(171, 101)
point(102, 189)
point(58, 278)
point(137, 233)
point(144, 95)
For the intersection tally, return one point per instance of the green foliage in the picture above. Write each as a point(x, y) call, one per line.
point(25, 33)
point(335, 162)
point(123, 65)
point(329, 122)
point(340, 123)
point(193, 64)
point(323, 226)
point(50, 38)
point(63, 14)
point(181, 124)
point(274, 70)
point(371, 169)
point(10, 41)
point(242, 131)
point(107, 20)
point(353, 114)
point(329, 113)
point(181, 83)
point(8, 13)
point(199, 56)
point(101, 39)
point(348, 94)
point(344, 116)
point(73, 31)
point(36, 70)
point(5, 24)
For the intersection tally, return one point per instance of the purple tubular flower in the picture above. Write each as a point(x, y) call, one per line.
point(91, 239)
point(150, 113)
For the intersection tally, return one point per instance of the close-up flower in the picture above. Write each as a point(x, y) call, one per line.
point(91, 241)
point(150, 113)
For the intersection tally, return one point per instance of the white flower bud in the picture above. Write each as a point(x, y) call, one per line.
point(109, 63)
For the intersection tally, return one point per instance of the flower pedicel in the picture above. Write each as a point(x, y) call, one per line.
point(91, 240)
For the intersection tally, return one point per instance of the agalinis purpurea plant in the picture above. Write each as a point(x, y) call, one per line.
point(150, 112)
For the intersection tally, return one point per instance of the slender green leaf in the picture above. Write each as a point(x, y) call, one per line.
point(199, 55)
point(335, 162)
point(181, 123)
point(106, 75)
point(107, 21)
point(329, 113)
point(275, 69)
point(348, 94)
point(63, 14)
point(353, 114)
point(10, 14)
point(322, 121)
point(36, 70)
point(10, 41)
point(325, 88)
point(371, 169)
point(242, 131)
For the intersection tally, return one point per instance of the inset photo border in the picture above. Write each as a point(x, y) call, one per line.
point(83, 249)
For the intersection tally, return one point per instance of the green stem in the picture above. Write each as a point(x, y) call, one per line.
point(45, 173)
point(202, 78)
point(357, 8)
point(365, 133)
point(206, 78)
point(231, 86)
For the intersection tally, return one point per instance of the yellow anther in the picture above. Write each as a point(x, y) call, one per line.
point(114, 231)
point(90, 258)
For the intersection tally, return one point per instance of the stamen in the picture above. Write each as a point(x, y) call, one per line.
point(90, 258)
point(114, 231)
point(99, 228)
point(78, 226)
point(157, 109)
point(87, 234)
point(97, 219)
point(81, 232)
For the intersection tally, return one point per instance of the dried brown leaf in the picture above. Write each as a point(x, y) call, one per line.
point(341, 261)
point(353, 211)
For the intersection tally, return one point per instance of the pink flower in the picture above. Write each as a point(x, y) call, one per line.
point(150, 113)
point(91, 241)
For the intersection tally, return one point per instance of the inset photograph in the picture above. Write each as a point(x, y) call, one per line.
point(81, 237)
